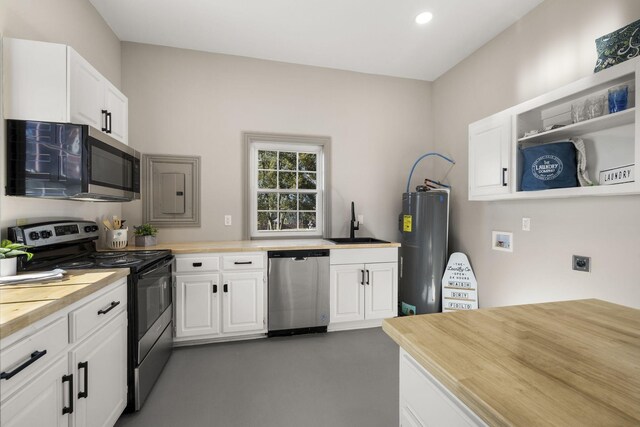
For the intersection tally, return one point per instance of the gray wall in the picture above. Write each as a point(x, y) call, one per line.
point(551, 46)
point(72, 22)
point(193, 103)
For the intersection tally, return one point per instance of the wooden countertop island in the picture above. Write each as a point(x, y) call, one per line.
point(570, 363)
point(25, 303)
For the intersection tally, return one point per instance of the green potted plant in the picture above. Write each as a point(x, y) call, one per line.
point(9, 252)
point(145, 235)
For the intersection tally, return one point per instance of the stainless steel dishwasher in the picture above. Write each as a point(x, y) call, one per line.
point(298, 291)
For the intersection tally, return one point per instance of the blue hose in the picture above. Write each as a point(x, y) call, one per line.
point(422, 157)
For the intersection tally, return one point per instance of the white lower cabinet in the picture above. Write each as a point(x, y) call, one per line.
point(214, 302)
point(424, 401)
point(363, 293)
point(85, 384)
point(40, 403)
point(99, 364)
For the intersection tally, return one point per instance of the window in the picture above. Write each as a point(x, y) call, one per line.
point(286, 185)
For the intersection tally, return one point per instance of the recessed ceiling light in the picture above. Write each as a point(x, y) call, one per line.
point(424, 17)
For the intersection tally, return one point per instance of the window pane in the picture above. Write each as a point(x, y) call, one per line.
point(267, 179)
point(267, 159)
point(308, 220)
point(288, 160)
point(267, 220)
point(286, 180)
point(267, 201)
point(307, 181)
point(288, 220)
point(307, 162)
point(307, 201)
point(288, 202)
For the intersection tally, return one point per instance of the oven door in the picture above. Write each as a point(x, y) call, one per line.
point(114, 169)
point(153, 305)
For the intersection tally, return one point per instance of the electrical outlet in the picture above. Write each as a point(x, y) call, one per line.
point(361, 218)
point(227, 220)
point(526, 224)
point(581, 263)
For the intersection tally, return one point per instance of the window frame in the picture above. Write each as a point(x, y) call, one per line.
point(286, 142)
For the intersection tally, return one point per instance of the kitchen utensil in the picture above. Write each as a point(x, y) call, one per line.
point(107, 224)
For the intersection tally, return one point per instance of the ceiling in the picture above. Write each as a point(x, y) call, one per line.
point(368, 36)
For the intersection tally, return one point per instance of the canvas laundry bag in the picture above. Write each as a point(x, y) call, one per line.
point(551, 165)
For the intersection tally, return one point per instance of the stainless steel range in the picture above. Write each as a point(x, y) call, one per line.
point(70, 245)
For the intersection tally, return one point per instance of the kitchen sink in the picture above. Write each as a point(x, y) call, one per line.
point(355, 240)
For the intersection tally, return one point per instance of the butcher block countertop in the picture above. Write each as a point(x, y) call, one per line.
point(24, 304)
point(570, 363)
point(256, 245)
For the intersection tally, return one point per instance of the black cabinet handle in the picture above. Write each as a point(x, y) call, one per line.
point(68, 379)
point(34, 356)
point(113, 305)
point(109, 122)
point(225, 288)
point(367, 277)
point(504, 177)
point(243, 262)
point(104, 120)
point(197, 264)
point(215, 289)
point(362, 278)
point(85, 366)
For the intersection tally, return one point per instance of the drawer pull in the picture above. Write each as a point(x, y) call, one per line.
point(34, 356)
point(215, 289)
point(225, 288)
point(113, 305)
point(197, 264)
point(68, 379)
point(243, 262)
point(85, 366)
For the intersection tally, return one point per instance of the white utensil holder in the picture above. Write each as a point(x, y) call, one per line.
point(117, 239)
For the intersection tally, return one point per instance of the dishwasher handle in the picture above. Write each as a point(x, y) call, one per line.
point(299, 258)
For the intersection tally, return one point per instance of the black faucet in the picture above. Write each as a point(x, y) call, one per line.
point(355, 225)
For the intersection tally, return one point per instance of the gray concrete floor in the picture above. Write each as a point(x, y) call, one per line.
point(336, 379)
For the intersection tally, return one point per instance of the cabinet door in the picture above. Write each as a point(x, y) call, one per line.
point(40, 403)
point(100, 373)
point(347, 293)
point(489, 143)
point(197, 305)
point(86, 92)
point(381, 290)
point(243, 302)
point(117, 106)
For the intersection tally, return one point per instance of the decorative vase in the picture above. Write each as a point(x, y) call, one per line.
point(145, 240)
point(8, 266)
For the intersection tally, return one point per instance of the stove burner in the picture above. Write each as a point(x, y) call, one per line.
point(146, 253)
point(77, 264)
point(106, 255)
point(122, 262)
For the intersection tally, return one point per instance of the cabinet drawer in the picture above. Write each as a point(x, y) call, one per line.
point(97, 312)
point(31, 354)
point(248, 261)
point(197, 263)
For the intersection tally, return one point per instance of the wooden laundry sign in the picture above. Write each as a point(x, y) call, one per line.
point(459, 285)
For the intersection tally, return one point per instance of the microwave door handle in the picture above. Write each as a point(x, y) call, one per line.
point(161, 266)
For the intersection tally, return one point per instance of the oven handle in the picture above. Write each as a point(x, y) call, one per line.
point(161, 266)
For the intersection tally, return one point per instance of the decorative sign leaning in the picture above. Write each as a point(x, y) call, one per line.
point(459, 285)
point(617, 175)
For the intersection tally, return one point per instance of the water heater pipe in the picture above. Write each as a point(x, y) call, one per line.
point(422, 157)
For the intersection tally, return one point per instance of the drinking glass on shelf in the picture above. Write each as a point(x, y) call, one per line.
point(594, 106)
point(618, 98)
point(577, 112)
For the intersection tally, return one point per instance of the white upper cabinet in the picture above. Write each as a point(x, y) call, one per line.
point(52, 82)
point(489, 156)
point(611, 140)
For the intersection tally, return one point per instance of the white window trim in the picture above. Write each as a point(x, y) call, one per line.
point(262, 141)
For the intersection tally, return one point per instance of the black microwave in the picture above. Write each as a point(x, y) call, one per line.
point(69, 161)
